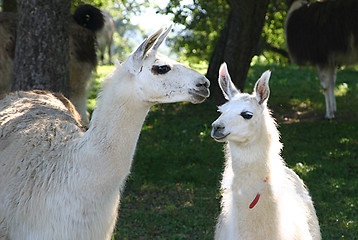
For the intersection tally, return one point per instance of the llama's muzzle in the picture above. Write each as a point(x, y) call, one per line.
point(201, 92)
point(218, 132)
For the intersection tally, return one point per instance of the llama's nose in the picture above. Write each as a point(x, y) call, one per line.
point(218, 127)
point(218, 131)
point(204, 82)
point(203, 87)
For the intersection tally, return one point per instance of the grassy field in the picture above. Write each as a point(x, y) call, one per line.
point(173, 190)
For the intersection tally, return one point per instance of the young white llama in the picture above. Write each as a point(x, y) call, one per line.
point(58, 181)
point(262, 198)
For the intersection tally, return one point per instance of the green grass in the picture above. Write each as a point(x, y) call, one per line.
point(173, 190)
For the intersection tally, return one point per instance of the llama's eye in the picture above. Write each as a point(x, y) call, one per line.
point(246, 115)
point(160, 69)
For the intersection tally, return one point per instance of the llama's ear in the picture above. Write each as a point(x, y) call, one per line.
point(162, 37)
point(146, 45)
point(227, 86)
point(135, 61)
point(261, 88)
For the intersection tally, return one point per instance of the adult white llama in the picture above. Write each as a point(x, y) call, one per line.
point(58, 181)
point(262, 198)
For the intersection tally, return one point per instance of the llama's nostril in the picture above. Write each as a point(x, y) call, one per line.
point(205, 84)
point(219, 128)
point(219, 133)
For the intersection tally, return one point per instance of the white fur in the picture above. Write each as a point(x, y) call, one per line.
point(327, 76)
point(253, 165)
point(57, 181)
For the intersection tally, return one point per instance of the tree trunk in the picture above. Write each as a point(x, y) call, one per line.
point(237, 43)
point(42, 46)
point(9, 6)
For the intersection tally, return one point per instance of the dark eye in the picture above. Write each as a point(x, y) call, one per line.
point(160, 69)
point(246, 115)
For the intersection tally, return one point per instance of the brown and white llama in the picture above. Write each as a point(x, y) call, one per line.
point(323, 34)
point(58, 181)
point(105, 36)
point(262, 198)
point(84, 23)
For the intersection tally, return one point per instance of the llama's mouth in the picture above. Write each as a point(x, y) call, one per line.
point(199, 96)
point(219, 136)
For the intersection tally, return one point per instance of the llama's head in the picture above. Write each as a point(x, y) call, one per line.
point(242, 115)
point(160, 79)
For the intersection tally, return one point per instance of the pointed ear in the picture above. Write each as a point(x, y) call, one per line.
point(162, 37)
point(261, 88)
point(135, 60)
point(146, 45)
point(227, 86)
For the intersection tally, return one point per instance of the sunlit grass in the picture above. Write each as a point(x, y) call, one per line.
point(99, 75)
point(303, 168)
point(341, 90)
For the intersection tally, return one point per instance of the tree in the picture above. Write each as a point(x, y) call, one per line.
point(42, 45)
point(203, 21)
point(9, 6)
point(273, 44)
point(221, 31)
point(238, 41)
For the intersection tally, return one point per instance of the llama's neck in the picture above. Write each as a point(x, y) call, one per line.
point(110, 142)
point(254, 160)
point(249, 161)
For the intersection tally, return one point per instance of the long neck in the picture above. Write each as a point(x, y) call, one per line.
point(249, 161)
point(109, 144)
point(254, 159)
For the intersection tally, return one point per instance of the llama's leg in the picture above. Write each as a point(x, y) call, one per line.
point(102, 57)
point(334, 76)
point(80, 102)
point(327, 76)
point(109, 53)
point(332, 83)
point(80, 79)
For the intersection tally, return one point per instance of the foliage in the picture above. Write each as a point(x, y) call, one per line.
point(273, 35)
point(173, 190)
point(202, 21)
point(124, 38)
point(125, 7)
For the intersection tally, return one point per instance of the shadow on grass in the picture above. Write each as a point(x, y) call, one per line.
point(172, 192)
